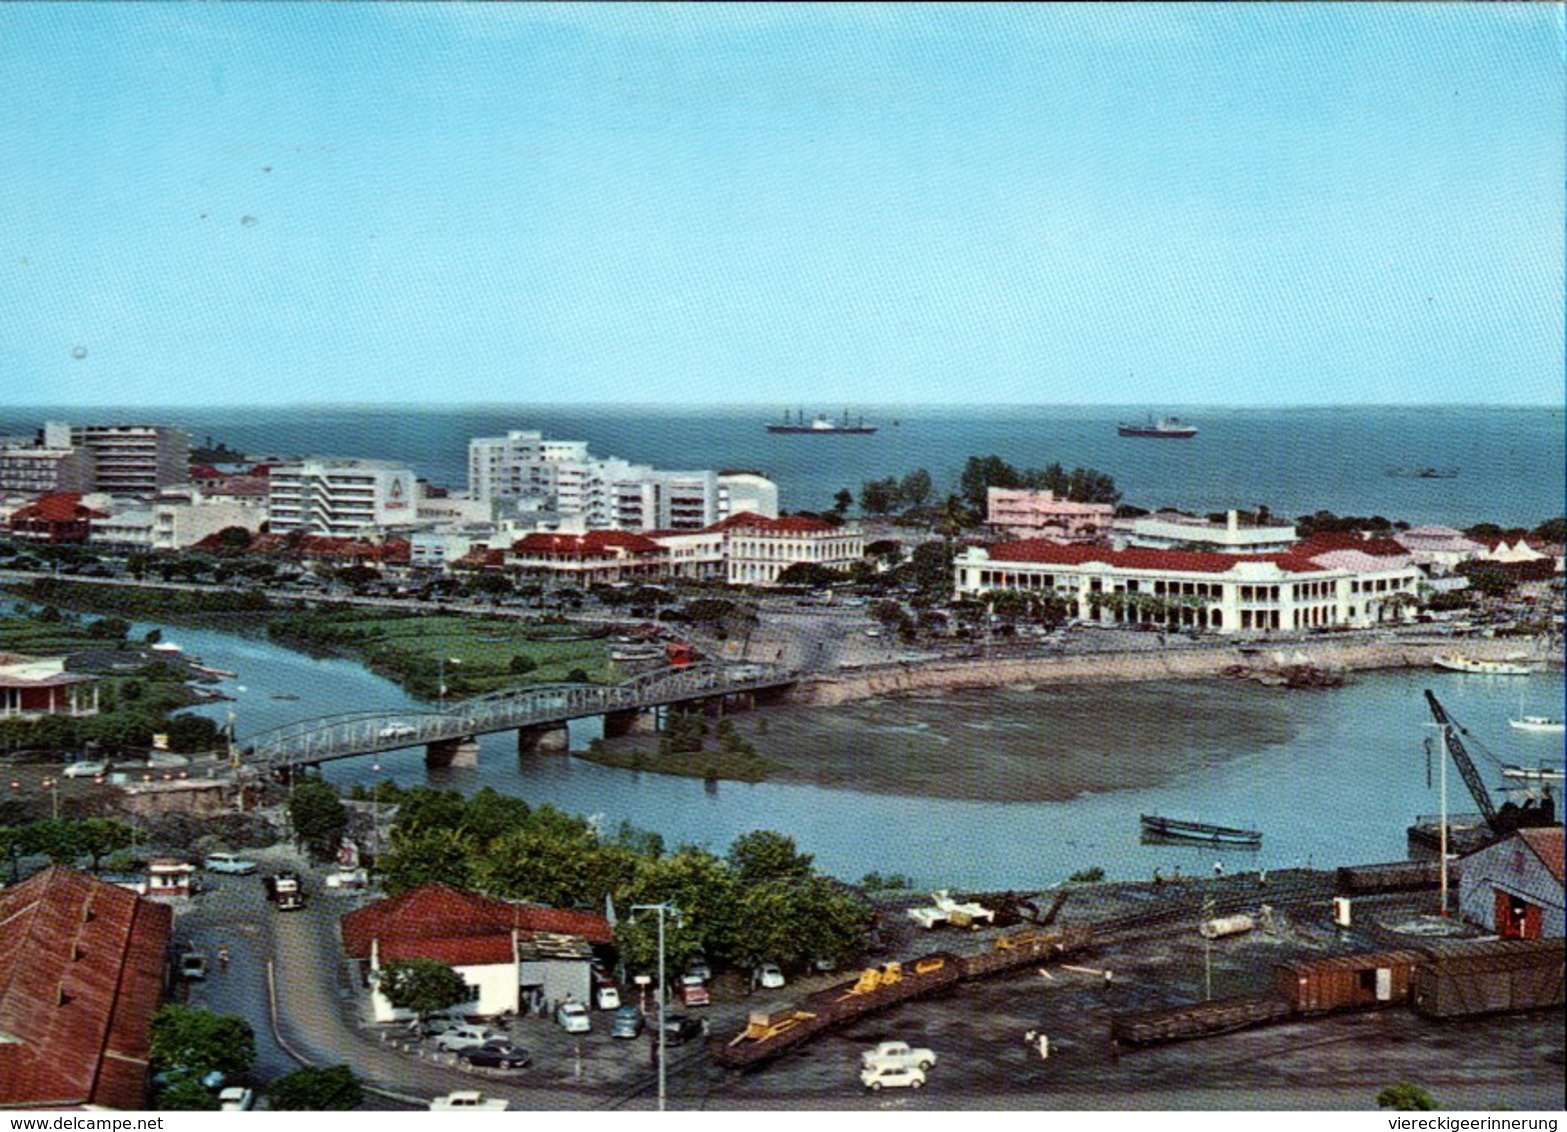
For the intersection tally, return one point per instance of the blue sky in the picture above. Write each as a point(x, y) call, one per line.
point(1162, 205)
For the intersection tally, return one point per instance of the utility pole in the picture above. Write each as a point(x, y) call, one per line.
point(1207, 952)
point(662, 909)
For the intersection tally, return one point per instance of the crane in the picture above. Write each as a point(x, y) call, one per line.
point(1510, 816)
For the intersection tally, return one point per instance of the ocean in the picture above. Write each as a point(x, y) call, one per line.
point(1510, 461)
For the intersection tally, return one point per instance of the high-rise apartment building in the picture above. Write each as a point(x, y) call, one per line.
point(132, 460)
point(30, 469)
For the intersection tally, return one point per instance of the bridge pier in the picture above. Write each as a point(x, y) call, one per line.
point(548, 739)
point(636, 721)
point(462, 752)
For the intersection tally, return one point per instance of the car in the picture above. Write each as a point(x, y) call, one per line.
point(236, 1099)
point(898, 1053)
point(873, 632)
point(698, 965)
point(497, 1053)
point(693, 991)
point(627, 1022)
point(398, 730)
point(464, 1037)
point(681, 1028)
point(606, 996)
point(86, 768)
point(230, 863)
point(879, 1077)
point(469, 1100)
point(767, 976)
point(193, 966)
point(573, 1018)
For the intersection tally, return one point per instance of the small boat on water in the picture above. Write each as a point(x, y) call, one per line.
point(1424, 473)
point(1541, 773)
point(1539, 723)
point(1196, 832)
point(284, 696)
point(1458, 662)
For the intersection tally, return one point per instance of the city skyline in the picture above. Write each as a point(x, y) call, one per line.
point(1141, 205)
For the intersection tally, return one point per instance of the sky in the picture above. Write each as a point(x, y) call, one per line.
point(1162, 205)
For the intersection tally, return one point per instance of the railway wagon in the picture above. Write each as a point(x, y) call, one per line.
point(1196, 1020)
point(1496, 976)
point(876, 989)
point(1394, 876)
point(1020, 949)
point(1347, 982)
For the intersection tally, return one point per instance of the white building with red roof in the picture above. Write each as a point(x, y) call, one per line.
point(506, 952)
point(585, 559)
point(1226, 593)
point(758, 549)
point(81, 975)
point(33, 687)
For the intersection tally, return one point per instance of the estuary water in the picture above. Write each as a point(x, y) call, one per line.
point(1329, 777)
point(1510, 461)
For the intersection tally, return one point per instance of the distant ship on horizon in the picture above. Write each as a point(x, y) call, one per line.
point(821, 426)
point(1166, 428)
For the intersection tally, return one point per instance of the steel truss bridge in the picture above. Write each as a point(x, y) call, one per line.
point(322, 738)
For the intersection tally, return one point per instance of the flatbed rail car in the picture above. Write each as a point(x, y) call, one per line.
point(1394, 876)
point(877, 988)
point(1196, 1020)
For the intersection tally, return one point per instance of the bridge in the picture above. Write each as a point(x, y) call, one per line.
point(531, 711)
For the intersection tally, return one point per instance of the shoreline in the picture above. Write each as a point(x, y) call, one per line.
point(1143, 665)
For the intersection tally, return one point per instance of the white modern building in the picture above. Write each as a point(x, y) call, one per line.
point(127, 531)
point(1226, 593)
point(1168, 530)
point(181, 519)
point(128, 460)
point(740, 492)
point(341, 498)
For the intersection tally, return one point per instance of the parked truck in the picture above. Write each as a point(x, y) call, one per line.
point(286, 890)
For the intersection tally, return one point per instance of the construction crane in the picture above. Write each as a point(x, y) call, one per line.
point(1510, 816)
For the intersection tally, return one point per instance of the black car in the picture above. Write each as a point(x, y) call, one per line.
point(681, 1028)
point(496, 1054)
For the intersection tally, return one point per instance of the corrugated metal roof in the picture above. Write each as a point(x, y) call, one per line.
point(81, 974)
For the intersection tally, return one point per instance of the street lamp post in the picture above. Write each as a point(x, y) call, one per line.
point(53, 786)
point(441, 678)
point(375, 814)
point(662, 909)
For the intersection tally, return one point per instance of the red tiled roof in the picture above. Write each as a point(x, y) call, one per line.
point(206, 472)
point(1547, 843)
point(241, 486)
point(81, 973)
point(58, 507)
point(592, 544)
point(788, 524)
point(1143, 558)
point(1324, 541)
point(436, 921)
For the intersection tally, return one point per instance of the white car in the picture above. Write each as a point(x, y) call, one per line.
point(879, 1077)
point(768, 976)
point(606, 996)
point(464, 1036)
point(573, 1018)
point(231, 863)
point(469, 1100)
point(897, 1054)
point(236, 1099)
point(86, 768)
point(398, 730)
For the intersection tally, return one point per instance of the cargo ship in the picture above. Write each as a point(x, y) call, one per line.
point(821, 426)
point(1165, 428)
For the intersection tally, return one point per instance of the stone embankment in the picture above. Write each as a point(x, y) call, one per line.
point(1172, 663)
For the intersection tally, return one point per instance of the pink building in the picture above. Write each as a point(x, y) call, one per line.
point(1039, 514)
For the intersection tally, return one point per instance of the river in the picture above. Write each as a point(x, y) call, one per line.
point(1329, 777)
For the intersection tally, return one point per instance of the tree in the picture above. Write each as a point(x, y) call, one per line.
point(318, 816)
point(763, 855)
point(316, 1090)
point(99, 837)
point(191, 1042)
point(187, 1094)
point(233, 540)
point(980, 474)
point(916, 488)
point(60, 841)
point(109, 629)
point(1404, 1097)
point(879, 497)
point(425, 856)
point(189, 734)
point(521, 665)
point(697, 883)
point(425, 986)
point(529, 864)
point(489, 814)
point(842, 500)
point(808, 574)
point(490, 585)
point(796, 922)
point(1552, 530)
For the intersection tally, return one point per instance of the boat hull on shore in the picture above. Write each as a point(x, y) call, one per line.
point(1457, 662)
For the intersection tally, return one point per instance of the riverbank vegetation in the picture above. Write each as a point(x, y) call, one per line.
point(140, 601)
point(763, 901)
point(683, 750)
point(470, 654)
